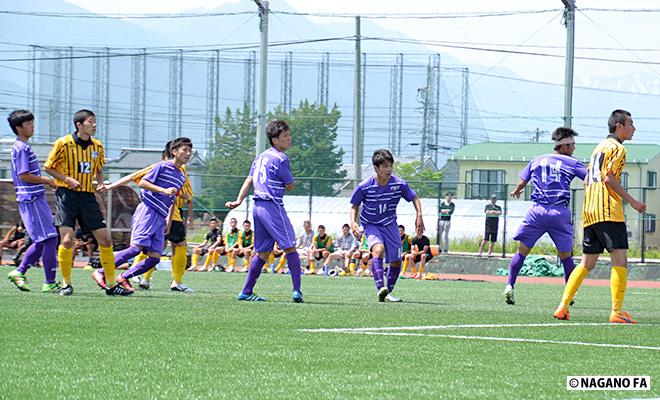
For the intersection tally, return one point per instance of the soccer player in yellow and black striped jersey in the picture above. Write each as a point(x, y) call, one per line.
point(603, 218)
point(75, 161)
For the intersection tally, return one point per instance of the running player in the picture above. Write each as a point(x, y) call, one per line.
point(551, 175)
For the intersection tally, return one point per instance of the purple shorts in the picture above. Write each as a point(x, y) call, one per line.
point(148, 229)
point(388, 236)
point(37, 218)
point(555, 220)
point(271, 224)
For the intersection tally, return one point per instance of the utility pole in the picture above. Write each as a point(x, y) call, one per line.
point(263, 75)
point(464, 110)
point(569, 21)
point(357, 107)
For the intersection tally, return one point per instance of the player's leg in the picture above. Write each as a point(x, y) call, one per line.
point(422, 265)
point(515, 265)
point(446, 234)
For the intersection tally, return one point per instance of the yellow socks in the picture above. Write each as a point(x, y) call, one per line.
point(107, 257)
point(179, 259)
point(271, 258)
point(574, 282)
point(207, 262)
point(65, 259)
point(405, 266)
point(139, 258)
point(214, 260)
point(194, 261)
point(280, 265)
point(618, 288)
point(312, 266)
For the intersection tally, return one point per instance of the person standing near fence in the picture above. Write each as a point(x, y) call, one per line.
point(493, 212)
point(271, 176)
point(603, 218)
point(551, 175)
point(379, 196)
point(446, 210)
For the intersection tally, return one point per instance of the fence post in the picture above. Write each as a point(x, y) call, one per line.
point(506, 199)
point(437, 228)
point(109, 211)
point(311, 197)
point(643, 255)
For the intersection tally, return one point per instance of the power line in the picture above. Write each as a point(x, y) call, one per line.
point(123, 15)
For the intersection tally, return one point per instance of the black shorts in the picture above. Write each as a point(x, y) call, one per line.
point(604, 235)
point(204, 250)
point(418, 257)
point(177, 232)
point(490, 235)
point(72, 206)
point(241, 254)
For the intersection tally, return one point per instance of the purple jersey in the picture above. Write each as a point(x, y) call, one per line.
point(379, 202)
point(270, 174)
point(166, 175)
point(24, 160)
point(551, 175)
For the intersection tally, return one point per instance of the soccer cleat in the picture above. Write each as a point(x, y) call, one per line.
point(623, 318)
point(99, 278)
point(392, 299)
point(144, 284)
point(562, 313)
point(19, 280)
point(181, 288)
point(118, 290)
point(124, 283)
point(508, 295)
point(66, 290)
point(297, 297)
point(88, 267)
point(137, 279)
point(382, 294)
point(51, 287)
point(250, 297)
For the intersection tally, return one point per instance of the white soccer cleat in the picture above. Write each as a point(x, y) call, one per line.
point(508, 295)
point(392, 299)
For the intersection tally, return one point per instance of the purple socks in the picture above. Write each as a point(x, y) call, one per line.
point(514, 268)
point(47, 251)
point(377, 271)
point(569, 266)
point(293, 261)
point(141, 267)
point(255, 270)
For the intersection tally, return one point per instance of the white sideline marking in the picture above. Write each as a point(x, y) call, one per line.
point(438, 327)
point(396, 331)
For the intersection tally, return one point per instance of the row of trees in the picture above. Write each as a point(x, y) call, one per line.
point(314, 154)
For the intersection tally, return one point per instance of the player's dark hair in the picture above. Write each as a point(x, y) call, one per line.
point(80, 116)
point(346, 226)
point(321, 227)
point(617, 116)
point(17, 117)
point(275, 128)
point(402, 227)
point(562, 133)
point(167, 153)
point(179, 142)
point(247, 221)
point(448, 194)
point(381, 156)
point(213, 219)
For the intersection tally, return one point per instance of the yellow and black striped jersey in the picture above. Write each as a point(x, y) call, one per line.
point(601, 203)
point(78, 159)
point(137, 176)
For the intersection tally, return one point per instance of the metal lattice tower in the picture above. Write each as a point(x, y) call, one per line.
point(323, 84)
point(176, 92)
point(464, 108)
point(287, 82)
point(68, 88)
point(32, 78)
point(436, 108)
point(55, 118)
point(138, 98)
point(396, 105)
point(249, 95)
point(212, 96)
point(364, 91)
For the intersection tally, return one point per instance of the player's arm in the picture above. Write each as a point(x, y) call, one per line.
point(34, 179)
point(170, 214)
point(519, 189)
point(145, 184)
point(613, 184)
point(419, 221)
point(353, 218)
point(100, 185)
point(134, 177)
point(247, 184)
point(69, 181)
point(189, 220)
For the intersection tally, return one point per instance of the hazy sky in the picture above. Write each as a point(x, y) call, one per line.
point(624, 35)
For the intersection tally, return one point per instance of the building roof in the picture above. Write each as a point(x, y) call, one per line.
point(135, 158)
point(517, 151)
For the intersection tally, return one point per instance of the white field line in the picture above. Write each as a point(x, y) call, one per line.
point(501, 339)
point(439, 327)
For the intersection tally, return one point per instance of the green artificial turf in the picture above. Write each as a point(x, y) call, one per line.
point(163, 344)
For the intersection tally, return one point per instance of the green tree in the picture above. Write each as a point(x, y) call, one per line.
point(231, 156)
point(424, 181)
point(314, 152)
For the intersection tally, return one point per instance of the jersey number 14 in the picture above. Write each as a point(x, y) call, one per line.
point(550, 172)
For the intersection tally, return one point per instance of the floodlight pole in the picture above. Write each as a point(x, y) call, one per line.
point(569, 18)
point(357, 107)
point(263, 76)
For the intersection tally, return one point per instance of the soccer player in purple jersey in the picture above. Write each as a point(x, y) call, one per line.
point(153, 216)
point(551, 175)
point(271, 176)
point(379, 196)
point(35, 212)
